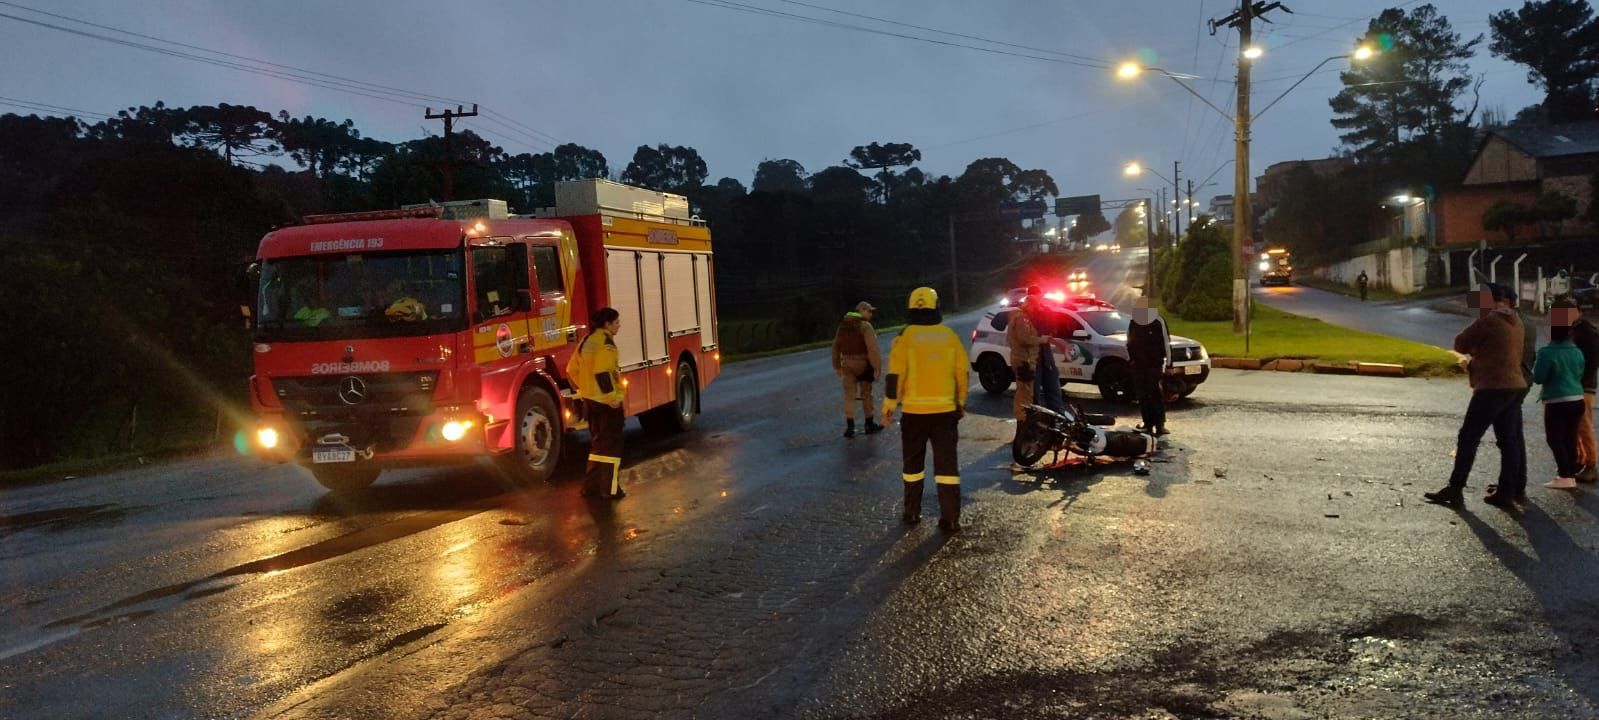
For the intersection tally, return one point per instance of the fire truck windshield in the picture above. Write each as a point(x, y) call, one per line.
point(361, 295)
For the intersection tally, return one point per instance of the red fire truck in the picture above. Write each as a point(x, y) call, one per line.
point(440, 334)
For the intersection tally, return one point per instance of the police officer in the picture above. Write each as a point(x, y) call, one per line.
point(856, 361)
point(1023, 340)
point(598, 377)
point(927, 374)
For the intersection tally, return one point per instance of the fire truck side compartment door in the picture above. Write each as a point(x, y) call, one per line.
point(622, 278)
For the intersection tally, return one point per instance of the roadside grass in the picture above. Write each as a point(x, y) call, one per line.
point(1374, 294)
point(70, 468)
point(1276, 334)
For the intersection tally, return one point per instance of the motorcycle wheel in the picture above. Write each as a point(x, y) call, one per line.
point(1031, 442)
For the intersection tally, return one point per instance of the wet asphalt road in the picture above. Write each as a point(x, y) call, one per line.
point(1411, 320)
point(1276, 563)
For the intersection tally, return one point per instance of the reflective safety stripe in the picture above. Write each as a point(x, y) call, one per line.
point(616, 469)
point(947, 479)
point(916, 477)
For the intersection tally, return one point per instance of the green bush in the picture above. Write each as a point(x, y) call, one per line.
point(1199, 272)
point(1211, 294)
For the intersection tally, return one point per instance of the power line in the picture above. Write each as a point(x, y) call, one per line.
point(284, 72)
point(731, 5)
point(258, 61)
point(1085, 58)
point(45, 107)
point(1400, 6)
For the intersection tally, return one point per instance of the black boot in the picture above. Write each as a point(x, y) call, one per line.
point(913, 503)
point(949, 508)
point(849, 427)
point(1450, 495)
point(872, 428)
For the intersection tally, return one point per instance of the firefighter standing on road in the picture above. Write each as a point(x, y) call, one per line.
point(857, 361)
point(1021, 336)
point(598, 377)
point(927, 375)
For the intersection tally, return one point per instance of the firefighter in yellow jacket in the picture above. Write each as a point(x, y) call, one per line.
point(594, 371)
point(927, 377)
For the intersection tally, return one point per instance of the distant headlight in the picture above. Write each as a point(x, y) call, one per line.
point(267, 437)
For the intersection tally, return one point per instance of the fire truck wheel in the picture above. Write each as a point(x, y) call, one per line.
point(538, 438)
point(345, 480)
point(677, 416)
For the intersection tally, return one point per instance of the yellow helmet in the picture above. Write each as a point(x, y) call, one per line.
point(924, 298)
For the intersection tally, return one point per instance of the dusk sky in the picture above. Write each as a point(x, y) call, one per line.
point(741, 86)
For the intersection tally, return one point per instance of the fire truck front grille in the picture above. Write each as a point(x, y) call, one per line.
point(336, 396)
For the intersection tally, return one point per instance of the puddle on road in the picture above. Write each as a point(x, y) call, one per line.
point(158, 600)
point(62, 519)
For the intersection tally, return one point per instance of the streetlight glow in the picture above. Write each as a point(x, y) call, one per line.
point(1132, 169)
point(1364, 52)
point(1402, 199)
point(1253, 51)
point(1129, 70)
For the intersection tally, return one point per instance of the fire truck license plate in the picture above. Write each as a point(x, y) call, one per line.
point(332, 455)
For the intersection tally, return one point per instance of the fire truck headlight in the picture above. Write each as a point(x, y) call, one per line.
point(455, 429)
point(267, 437)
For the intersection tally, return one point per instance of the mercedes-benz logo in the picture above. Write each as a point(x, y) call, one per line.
point(352, 390)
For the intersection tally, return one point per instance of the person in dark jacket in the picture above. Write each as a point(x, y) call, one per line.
point(1586, 337)
point(1559, 370)
point(1149, 349)
point(1494, 343)
point(1362, 281)
point(1505, 299)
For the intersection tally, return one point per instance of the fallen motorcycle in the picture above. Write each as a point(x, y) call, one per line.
point(1075, 432)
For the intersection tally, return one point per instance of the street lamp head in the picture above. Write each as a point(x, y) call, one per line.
point(1132, 169)
point(1253, 51)
point(1364, 52)
point(1402, 199)
point(1128, 70)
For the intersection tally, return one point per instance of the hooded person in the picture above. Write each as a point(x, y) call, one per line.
point(1149, 350)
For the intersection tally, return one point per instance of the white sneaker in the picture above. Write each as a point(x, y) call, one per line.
point(1561, 483)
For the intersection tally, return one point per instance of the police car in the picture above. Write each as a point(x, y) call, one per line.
point(1095, 352)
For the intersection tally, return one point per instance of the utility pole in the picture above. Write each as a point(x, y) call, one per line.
point(1177, 195)
point(1190, 202)
point(449, 116)
point(1149, 265)
point(1242, 19)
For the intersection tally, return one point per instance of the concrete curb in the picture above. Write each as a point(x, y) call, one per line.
point(1291, 365)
